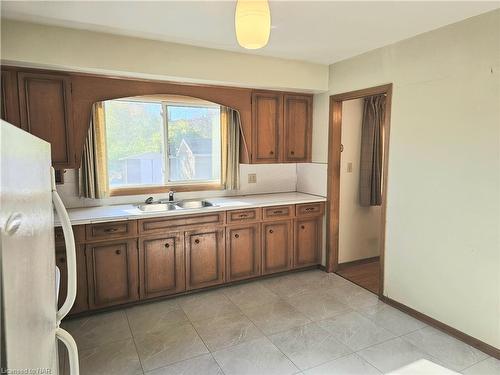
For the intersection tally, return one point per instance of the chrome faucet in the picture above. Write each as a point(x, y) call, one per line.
point(171, 196)
point(149, 200)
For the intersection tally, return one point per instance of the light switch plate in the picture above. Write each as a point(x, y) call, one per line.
point(252, 178)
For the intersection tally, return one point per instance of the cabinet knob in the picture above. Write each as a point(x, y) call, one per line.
point(167, 245)
point(271, 152)
point(302, 227)
point(236, 235)
point(118, 252)
point(271, 231)
point(62, 260)
point(292, 153)
point(197, 241)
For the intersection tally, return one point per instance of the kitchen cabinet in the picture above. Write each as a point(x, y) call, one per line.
point(297, 133)
point(308, 240)
point(242, 251)
point(204, 257)
point(276, 246)
point(9, 97)
point(267, 126)
point(162, 267)
point(45, 111)
point(113, 273)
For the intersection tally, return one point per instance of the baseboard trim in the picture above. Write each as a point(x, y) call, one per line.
point(345, 265)
point(478, 344)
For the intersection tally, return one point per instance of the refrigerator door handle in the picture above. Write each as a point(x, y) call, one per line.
point(69, 240)
point(69, 342)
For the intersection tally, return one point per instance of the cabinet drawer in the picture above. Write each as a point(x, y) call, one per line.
point(159, 225)
point(247, 215)
point(109, 231)
point(78, 233)
point(278, 212)
point(310, 209)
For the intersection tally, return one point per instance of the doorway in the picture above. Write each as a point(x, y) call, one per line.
point(357, 185)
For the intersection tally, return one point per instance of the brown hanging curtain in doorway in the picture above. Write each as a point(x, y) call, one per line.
point(370, 179)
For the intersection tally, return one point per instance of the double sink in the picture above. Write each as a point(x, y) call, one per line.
point(172, 206)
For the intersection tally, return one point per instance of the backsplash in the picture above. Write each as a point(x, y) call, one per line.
point(271, 178)
point(312, 178)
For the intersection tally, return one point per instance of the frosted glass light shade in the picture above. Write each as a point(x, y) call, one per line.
point(252, 21)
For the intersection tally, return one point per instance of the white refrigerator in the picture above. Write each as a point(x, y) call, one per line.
point(29, 318)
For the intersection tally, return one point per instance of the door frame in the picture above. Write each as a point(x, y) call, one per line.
point(333, 181)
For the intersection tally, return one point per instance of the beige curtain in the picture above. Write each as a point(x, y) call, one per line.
point(370, 179)
point(93, 175)
point(230, 134)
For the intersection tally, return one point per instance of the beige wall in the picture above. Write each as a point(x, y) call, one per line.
point(57, 47)
point(359, 228)
point(443, 216)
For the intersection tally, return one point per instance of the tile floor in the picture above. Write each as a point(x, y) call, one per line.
point(309, 322)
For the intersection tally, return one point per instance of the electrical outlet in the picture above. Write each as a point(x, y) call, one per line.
point(252, 178)
point(349, 167)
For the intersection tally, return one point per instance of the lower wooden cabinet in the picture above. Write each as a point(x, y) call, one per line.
point(113, 273)
point(276, 246)
point(204, 257)
point(242, 252)
point(308, 241)
point(161, 264)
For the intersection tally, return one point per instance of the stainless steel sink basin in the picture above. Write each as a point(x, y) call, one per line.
point(194, 204)
point(157, 207)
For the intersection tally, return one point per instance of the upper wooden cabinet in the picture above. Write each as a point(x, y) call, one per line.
point(281, 127)
point(297, 128)
point(45, 111)
point(267, 127)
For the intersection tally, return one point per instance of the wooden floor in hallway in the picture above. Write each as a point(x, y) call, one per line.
point(365, 274)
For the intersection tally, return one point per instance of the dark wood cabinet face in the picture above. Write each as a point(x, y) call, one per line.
point(276, 246)
point(297, 128)
point(243, 252)
point(45, 111)
point(112, 270)
point(307, 249)
point(204, 257)
point(9, 100)
point(267, 109)
point(162, 265)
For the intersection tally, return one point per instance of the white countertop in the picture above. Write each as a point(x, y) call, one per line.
point(87, 215)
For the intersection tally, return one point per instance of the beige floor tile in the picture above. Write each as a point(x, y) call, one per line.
point(256, 357)
point(286, 286)
point(309, 345)
point(229, 330)
point(453, 353)
point(98, 329)
point(489, 366)
point(250, 295)
point(202, 365)
point(155, 316)
point(116, 358)
point(354, 296)
point(318, 306)
point(393, 354)
point(348, 365)
point(173, 344)
point(391, 319)
point(207, 305)
point(355, 331)
point(275, 317)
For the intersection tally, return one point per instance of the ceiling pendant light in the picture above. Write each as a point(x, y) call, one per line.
point(253, 23)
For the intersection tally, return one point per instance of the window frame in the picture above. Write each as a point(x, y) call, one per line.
point(184, 186)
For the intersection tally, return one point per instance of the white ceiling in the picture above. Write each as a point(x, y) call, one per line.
point(316, 31)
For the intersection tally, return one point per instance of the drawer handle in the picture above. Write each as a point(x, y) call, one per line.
point(277, 212)
point(197, 241)
point(243, 215)
point(236, 235)
point(118, 252)
point(110, 230)
point(310, 209)
point(271, 231)
point(167, 245)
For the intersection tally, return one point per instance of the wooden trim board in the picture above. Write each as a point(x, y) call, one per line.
point(478, 344)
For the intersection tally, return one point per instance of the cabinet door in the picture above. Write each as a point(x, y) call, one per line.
point(308, 241)
point(81, 300)
point(297, 128)
point(242, 251)
point(276, 246)
point(267, 109)
point(204, 257)
point(112, 271)
point(45, 110)
point(10, 97)
point(162, 265)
